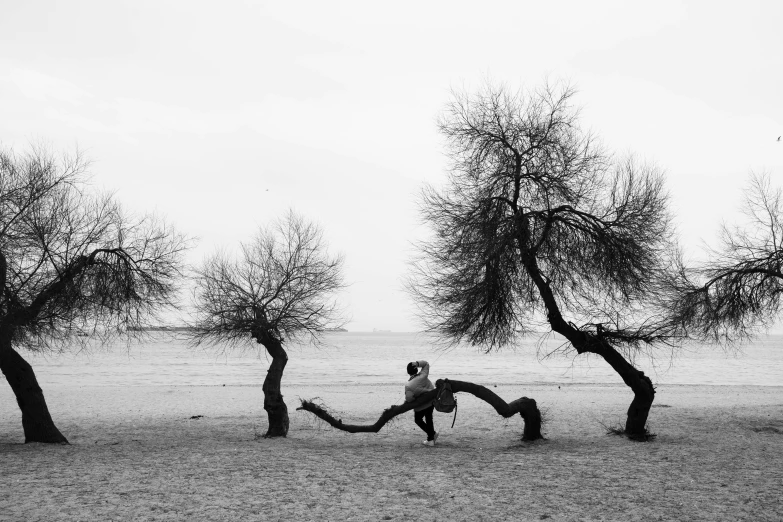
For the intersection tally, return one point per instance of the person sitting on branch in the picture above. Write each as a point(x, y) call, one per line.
point(417, 384)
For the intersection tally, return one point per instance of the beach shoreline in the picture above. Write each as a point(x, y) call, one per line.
point(143, 453)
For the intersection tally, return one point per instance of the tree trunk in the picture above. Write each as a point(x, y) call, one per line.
point(640, 384)
point(526, 408)
point(36, 421)
point(276, 410)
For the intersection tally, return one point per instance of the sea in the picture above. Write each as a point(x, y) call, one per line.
point(361, 358)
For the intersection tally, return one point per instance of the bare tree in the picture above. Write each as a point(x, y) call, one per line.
point(538, 226)
point(737, 290)
point(281, 286)
point(71, 264)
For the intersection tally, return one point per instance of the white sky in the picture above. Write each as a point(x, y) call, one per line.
point(221, 115)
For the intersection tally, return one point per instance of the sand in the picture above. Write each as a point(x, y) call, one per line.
point(136, 454)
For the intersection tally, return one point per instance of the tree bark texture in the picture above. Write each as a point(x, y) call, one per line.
point(36, 420)
point(3, 273)
point(527, 409)
point(276, 409)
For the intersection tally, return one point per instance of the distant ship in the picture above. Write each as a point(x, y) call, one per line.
point(376, 330)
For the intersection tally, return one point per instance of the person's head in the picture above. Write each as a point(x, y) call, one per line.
point(412, 370)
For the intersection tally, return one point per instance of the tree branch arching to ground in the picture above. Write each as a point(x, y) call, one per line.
point(538, 225)
point(526, 408)
point(72, 264)
point(281, 286)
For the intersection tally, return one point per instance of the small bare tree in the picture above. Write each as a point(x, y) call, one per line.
point(537, 225)
point(280, 287)
point(737, 290)
point(72, 264)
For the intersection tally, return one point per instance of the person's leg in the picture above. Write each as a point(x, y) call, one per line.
point(432, 423)
point(418, 417)
point(430, 426)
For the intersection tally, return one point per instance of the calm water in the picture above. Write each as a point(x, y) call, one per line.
point(381, 358)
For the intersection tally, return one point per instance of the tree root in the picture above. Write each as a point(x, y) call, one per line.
point(526, 408)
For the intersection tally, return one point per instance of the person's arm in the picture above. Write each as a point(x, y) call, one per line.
point(425, 369)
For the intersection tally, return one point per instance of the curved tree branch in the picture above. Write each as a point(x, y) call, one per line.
point(526, 408)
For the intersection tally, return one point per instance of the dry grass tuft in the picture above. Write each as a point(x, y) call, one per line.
point(618, 428)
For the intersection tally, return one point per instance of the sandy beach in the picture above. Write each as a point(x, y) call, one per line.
point(136, 454)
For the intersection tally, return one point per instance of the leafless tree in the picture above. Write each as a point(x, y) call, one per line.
point(538, 226)
point(71, 264)
point(282, 285)
point(737, 290)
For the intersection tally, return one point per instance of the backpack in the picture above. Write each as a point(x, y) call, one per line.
point(445, 401)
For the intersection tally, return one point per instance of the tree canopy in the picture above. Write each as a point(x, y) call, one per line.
point(736, 291)
point(534, 203)
point(283, 281)
point(73, 262)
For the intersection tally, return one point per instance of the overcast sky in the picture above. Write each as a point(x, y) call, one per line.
point(221, 115)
